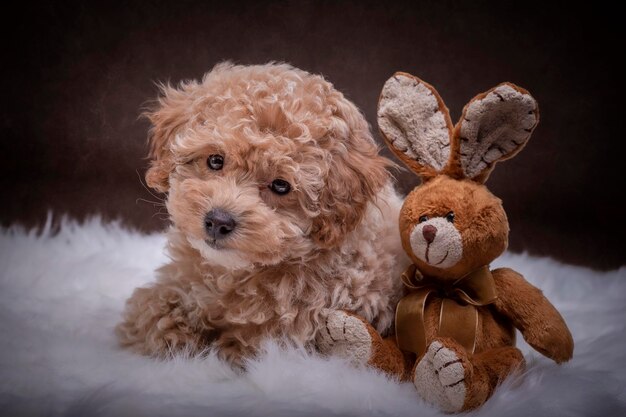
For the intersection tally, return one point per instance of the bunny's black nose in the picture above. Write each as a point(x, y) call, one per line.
point(219, 223)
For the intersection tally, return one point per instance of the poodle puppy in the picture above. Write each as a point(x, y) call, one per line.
point(281, 210)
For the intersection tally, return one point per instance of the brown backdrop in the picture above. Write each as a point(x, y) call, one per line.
point(77, 75)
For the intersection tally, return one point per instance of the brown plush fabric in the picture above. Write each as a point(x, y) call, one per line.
point(358, 341)
point(490, 368)
point(479, 218)
point(420, 138)
point(451, 225)
point(458, 317)
point(494, 126)
point(386, 356)
point(540, 323)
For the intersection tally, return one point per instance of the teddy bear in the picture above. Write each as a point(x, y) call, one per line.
point(455, 326)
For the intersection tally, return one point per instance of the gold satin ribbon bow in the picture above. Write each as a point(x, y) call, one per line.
point(458, 317)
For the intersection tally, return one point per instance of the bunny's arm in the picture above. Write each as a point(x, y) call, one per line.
point(540, 323)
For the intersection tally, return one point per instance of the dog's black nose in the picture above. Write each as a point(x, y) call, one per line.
point(219, 223)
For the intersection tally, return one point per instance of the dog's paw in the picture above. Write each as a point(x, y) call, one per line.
point(345, 335)
point(440, 377)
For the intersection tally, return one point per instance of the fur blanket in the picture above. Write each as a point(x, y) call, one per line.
point(61, 294)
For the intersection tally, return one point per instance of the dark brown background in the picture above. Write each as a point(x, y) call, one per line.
point(77, 75)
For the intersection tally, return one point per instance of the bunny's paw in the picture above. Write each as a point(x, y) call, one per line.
point(345, 335)
point(442, 375)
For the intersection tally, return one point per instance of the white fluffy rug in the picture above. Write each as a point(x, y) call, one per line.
point(61, 295)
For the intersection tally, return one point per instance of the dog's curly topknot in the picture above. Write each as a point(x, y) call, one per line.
point(251, 101)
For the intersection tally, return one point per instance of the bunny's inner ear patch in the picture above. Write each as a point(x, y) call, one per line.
point(495, 126)
point(415, 123)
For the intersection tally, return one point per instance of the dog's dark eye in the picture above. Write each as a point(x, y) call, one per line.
point(422, 219)
point(280, 187)
point(450, 217)
point(215, 162)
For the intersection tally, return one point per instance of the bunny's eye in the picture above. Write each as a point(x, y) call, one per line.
point(422, 219)
point(450, 217)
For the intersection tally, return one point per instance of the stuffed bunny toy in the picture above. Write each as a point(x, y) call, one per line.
point(455, 328)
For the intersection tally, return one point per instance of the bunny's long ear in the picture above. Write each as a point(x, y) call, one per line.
point(494, 126)
point(415, 124)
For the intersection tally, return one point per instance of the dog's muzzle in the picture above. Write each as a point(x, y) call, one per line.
point(219, 223)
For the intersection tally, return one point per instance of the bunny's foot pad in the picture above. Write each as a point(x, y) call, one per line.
point(347, 336)
point(441, 377)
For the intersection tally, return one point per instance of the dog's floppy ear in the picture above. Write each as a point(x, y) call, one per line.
point(495, 126)
point(356, 173)
point(168, 116)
